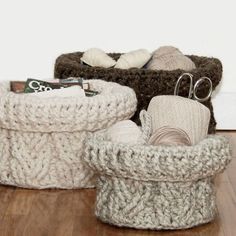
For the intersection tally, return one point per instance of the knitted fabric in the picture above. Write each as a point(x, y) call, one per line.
point(42, 140)
point(156, 187)
point(179, 112)
point(146, 83)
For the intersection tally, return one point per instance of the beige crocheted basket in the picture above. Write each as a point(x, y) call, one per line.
point(42, 139)
point(156, 187)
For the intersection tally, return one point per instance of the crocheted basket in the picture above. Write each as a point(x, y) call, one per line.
point(146, 83)
point(156, 187)
point(42, 139)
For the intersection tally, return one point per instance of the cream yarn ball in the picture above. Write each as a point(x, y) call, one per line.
point(97, 57)
point(124, 132)
point(133, 59)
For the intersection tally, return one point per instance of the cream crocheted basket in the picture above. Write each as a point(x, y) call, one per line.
point(156, 187)
point(42, 139)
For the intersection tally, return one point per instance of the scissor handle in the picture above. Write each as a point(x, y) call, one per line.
point(196, 85)
point(190, 76)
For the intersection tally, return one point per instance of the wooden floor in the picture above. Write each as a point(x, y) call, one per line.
point(67, 212)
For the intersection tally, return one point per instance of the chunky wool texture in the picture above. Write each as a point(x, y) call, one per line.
point(156, 187)
point(42, 140)
point(146, 83)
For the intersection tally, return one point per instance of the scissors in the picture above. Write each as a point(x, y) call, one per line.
point(193, 87)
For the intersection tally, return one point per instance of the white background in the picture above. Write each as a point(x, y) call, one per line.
point(33, 33)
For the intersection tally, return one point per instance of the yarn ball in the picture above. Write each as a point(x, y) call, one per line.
point(97, 57)
point(182, 113)
point(170, 58)
point(166, 50)
point(133, 59)
point(125, 131)
point(169, 136)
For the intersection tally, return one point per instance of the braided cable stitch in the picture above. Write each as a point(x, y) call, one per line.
point(42, 140)
point(156, 187)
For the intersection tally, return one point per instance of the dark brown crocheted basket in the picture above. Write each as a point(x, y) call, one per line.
point(146, 83)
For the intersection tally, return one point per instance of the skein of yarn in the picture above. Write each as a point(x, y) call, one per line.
point(169, 136)
point(97, 57)
point(170, 58)
point(133, 59)
point(166, 50)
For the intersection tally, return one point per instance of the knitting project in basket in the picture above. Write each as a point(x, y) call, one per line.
point(146, 83)
point(42, 139)
point(156, 187)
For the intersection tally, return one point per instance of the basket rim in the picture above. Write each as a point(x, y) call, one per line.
point(19, 111)
point(206, 63)
point(158, 163)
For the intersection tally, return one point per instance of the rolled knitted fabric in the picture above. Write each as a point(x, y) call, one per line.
point(181, 113)
point(170, 58)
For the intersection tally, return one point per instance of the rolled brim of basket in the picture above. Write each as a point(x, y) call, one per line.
point(42, 140)
point(157, 187)
point(146, 83)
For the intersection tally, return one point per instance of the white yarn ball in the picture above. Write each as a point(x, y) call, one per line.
point(125, 131)
point(97, 57)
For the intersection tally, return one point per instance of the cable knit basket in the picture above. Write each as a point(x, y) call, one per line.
point(156, 187)
point(42, 139)
point(146, 83)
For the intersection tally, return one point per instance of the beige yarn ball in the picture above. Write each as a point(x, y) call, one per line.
point(170, 58)
point(125, 131)
point(166, 50)
point(169, 136)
